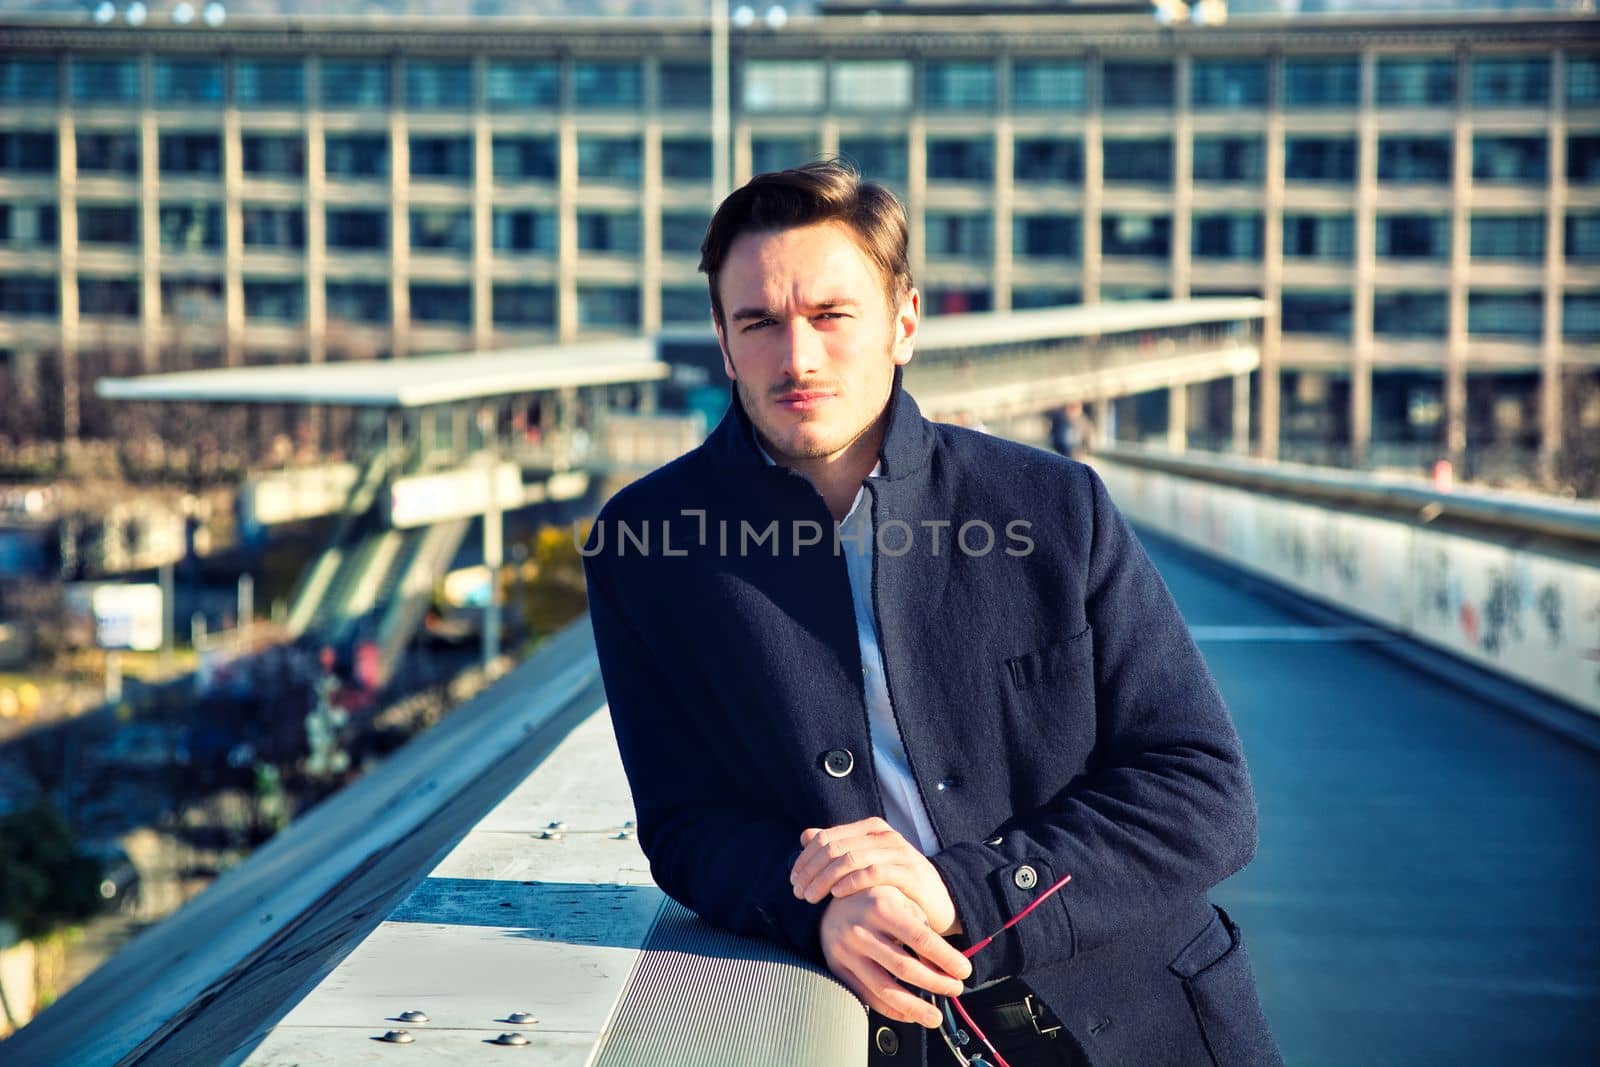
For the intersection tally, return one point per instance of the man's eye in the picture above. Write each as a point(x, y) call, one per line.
point(758, 324)
point(831, 315)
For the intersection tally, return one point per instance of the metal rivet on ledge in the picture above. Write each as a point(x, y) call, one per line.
point(521, 1018)
point(412, 1016)
point(622, 835)
point(398, 1037)
point(555, 824)
point(551, 835)
point(511, 1039)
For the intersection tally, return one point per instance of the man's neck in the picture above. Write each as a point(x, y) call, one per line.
point(838, 477)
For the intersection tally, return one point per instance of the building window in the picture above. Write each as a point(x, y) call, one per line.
point(964, 159)
point(524, 230)
point(612, 159)
point(607, 85)
point(613, 232)
point(1582, 237)
point(108, 153)
point(274, 227)
point(510, 85)
point(1137, 85)
point(355, 83)
point(768, 154)
point(192, 298)
point(949, 234)
point(105, 81)
point(1316, 312)
point(358, 301)
point(875, 85)
point(108, 224)
point(1508, 237)
point(1226, 236)
point(525, 306)
point(608, 307)
point(958, 85)
point(1229, 159)
point(363, 229)
point(942, 301)
point(683, 231)
point(1583, 158)
point(879, 159)
point(440, 229)
point(1583, 80)
point(685, 86)
point(1048, 159)
point(525, 157)
point(1410, 314)
point(435, 302)
point(269, 82)
point(1136, 235)
point(188, 81)
point(1508, 159)
point(1138, 161)
point(1413, 236)
point(783, 85)
point(1032, 298)
point(1044, 236)
point(1048, 85)
point(1319, 237)
point(438, 84)
point(357, 156)
point(685, 304)
point(191, 153)
point(1416, 81)
point(28, 225)
point(441, 157)
point(1327, 82)
point(275, 155)
point(28, 81)
point(1514, 314)
point(1580, 316)
point(1320, 159)
point(191, 227)
point(29, 295)
point(274, 299)
point(1414, 159)
point(685, 159)
point(117, 297)
point(1228, 83)
point(28, 152)
point(1520, 81)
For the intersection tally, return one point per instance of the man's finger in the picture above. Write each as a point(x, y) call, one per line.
point(883, 863)
point(939, 953)
point(893, 957)
point(824, 850)
point(886, 996)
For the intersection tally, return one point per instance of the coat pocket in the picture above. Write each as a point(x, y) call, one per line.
point(1052, 661)
point(1221, 991)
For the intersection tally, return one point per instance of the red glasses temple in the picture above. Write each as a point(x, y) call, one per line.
point(1018, 917)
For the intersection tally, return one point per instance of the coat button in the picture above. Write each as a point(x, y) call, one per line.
point(838, 762)
point(1026, 877)
point(887, 1040)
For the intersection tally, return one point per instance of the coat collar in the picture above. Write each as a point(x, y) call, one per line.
point(905, 449)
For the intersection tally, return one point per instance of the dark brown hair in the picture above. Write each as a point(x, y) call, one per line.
point(826, 191)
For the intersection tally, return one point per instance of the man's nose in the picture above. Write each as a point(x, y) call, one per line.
point(804, 353)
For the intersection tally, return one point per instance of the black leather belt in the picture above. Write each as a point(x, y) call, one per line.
point(1009, 1009)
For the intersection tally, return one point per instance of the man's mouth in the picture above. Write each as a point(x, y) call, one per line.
point(803, 400)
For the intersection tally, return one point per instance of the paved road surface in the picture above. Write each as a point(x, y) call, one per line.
point(1427, 888)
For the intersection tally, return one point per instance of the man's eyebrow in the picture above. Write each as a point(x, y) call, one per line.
point(753, 313)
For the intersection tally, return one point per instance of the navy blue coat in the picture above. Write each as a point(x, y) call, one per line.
point(1055, 712)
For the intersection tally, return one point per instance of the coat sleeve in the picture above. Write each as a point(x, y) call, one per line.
point(706, 849)
point(1165, 811)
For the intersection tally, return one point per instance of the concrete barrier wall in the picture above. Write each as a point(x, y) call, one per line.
point(1529, 612)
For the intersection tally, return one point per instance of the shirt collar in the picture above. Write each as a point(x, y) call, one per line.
point(877, 469)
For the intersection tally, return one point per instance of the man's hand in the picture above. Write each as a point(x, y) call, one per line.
point(876, 939)
point(854, 856)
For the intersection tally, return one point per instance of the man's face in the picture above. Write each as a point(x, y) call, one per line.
point(810, 340)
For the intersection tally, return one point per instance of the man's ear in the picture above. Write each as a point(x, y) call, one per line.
point(722, 343)
point(908, 317)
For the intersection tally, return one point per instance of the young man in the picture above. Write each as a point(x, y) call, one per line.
point(879, 682)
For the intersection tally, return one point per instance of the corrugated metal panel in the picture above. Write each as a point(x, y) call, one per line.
point(704, 996)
